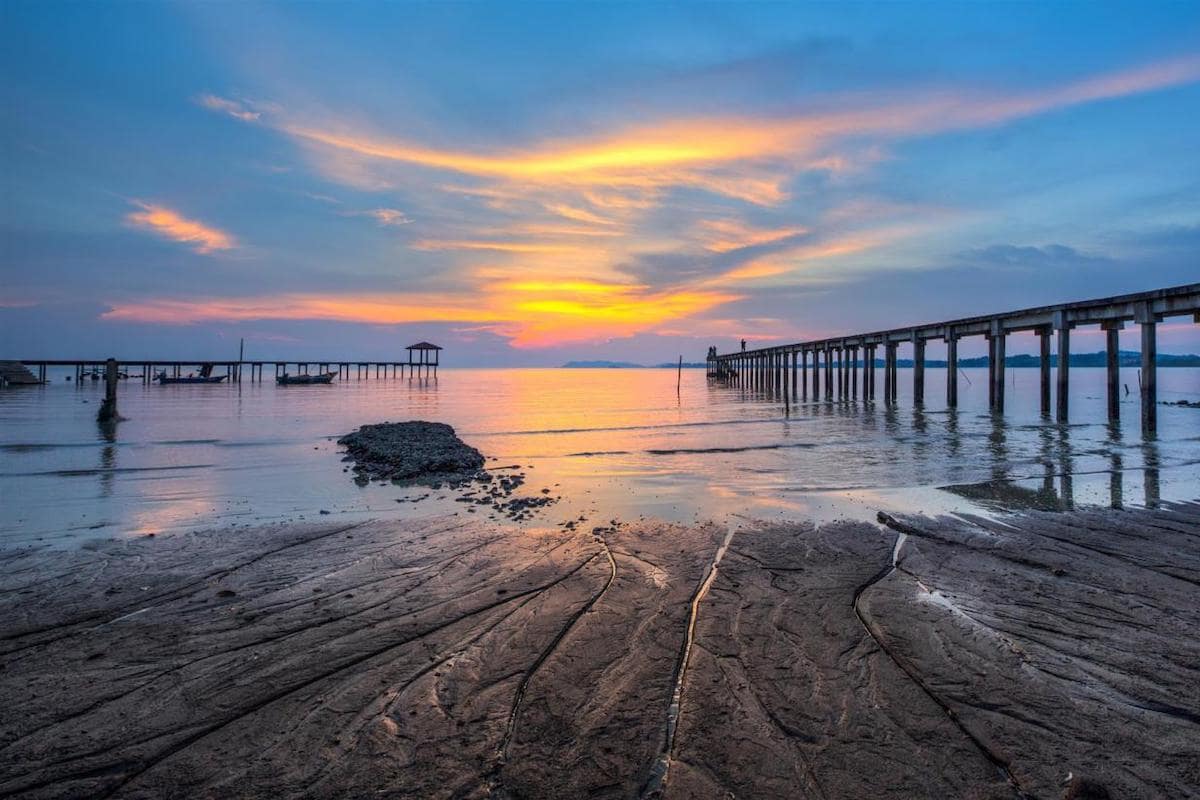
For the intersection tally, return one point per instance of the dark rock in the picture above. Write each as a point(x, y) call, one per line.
point(411, 452)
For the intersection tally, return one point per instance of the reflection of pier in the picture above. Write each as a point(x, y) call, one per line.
point(423, 360)
point(785, 368)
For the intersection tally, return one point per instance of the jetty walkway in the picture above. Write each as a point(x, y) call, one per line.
point(785, 369)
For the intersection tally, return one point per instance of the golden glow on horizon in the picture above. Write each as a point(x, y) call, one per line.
point(171, 225)
point(558, 313)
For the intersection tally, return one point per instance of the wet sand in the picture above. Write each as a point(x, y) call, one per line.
point(445, 658)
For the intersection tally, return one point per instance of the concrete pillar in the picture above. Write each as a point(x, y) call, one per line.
point(795, 375)
point(1064, 366)
point(803, 374)
point(1149, 383)
point(918, 370)
point(785, 375)
point(816, 375)
point(828, 373)
point(951, 370)
point(887, 372)
point(895, 373)
point(998, 340)
point(870, 376)
point(840, 370)
point(1043, 335)
point(1112, 364)
point(853, 373)
point(991, 373)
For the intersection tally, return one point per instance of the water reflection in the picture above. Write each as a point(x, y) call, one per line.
point(626, 440)
point(1151, 458)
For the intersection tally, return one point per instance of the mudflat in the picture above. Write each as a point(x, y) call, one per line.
point(1032, 655)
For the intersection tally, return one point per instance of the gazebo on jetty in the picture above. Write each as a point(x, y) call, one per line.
point(424, 351)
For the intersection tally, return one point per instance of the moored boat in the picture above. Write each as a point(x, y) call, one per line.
point(304, 380)
point(205, 376)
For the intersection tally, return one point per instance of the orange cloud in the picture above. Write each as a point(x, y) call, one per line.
point(171, 225)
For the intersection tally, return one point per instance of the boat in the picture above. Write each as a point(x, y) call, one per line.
point(205, 376)
point(304, 380)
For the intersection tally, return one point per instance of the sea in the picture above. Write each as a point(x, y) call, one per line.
point(606, 444)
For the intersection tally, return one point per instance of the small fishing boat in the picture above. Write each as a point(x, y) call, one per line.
point(205, 376)
point(304, 380)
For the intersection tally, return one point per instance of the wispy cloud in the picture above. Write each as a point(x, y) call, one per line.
point(172, 225)
point(723, 235)
point(387, 217)
point(690, 152)
point(235, 108)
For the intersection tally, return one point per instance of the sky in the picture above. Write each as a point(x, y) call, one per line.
point(526, 184)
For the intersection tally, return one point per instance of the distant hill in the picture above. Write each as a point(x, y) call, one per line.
point(602, 365)
point(631, 365)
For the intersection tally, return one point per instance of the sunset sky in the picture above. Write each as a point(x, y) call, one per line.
point(527, 184)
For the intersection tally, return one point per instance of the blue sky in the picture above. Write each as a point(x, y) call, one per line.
point(530, 183)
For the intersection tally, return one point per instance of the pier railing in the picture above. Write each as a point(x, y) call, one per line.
point(785, 368)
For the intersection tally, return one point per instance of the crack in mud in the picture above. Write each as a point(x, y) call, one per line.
point(903, 531)
point(662, 763)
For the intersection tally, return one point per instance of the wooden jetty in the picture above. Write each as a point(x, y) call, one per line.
point(422, 361)
point(785, 369)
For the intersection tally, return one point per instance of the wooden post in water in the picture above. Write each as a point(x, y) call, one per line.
point(1112, 364)
point(1147, 321)
point(108, 409)
point(679, 378)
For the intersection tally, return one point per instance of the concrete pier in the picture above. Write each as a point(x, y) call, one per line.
point(1146, 309)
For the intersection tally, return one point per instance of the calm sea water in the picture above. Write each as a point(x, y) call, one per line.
point(612, 443)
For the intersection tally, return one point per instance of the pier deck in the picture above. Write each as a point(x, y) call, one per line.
point(784, 369)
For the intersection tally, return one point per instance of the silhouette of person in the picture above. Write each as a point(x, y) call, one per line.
point(743, 345)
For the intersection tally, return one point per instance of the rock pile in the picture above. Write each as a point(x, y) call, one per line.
point(410, 452)
point(430, 454)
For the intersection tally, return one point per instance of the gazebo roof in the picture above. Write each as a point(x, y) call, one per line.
point(422, 346)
